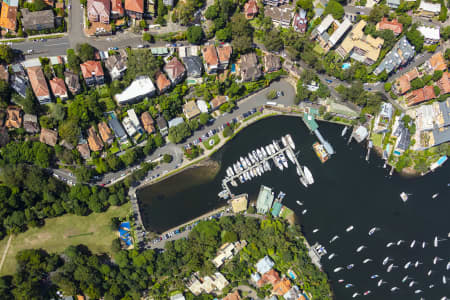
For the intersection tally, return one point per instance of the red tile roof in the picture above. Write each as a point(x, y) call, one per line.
point(135, 5)
point(58, 87)
point(49, 137)
point(437, 62)
point(95, 143)
point(98, 10)
point(38, 82)
point(393, 25)
point(210, 55)
point(14, 118)
point(8, 17)
point(420, 95)
point(271, 277)
point(162, 82)
point(224, 53)
point(174, 68)
point(117, 7)
point(147, 122)
point(444, 83)
point(282, 287)
point(250, 9)
point(233, 296)
point(403, 84)
point(91, 68)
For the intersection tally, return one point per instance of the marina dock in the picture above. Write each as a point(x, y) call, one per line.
point(312, 125)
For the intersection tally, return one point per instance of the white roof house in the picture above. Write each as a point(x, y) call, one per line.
point(360, 134)
point(325, 24)
point(430, 34)
point(129, 127)
point(264, 265)
point(175, 122)
point(339, 32)
point(386, 110)
point(140, 88)
point(134, 118)
point(202, 106)
point(177, 297)
point(430, 7)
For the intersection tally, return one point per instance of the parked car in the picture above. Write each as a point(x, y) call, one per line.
point(113, 48)
point(140, 46)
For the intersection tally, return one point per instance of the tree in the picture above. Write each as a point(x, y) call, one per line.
point(437, 75)
point(162, 9)
point(224, 34)
point(387, 86)
point(204, 118)
point(6, 54)
point(443, 13)
point(4, 93)
point(211, 12)
point(273, 41)
point(445, 32)
point(242, 33)
point(417, 83)
point(272, 94)
point(73, 61)
point(305, 4)
point(83, 174)
point(39, 5)
point(388, 37)
point(147, 37)
point(437, 90)
point(85, 52)
point(70, 131)
point(167, 158)
point(179, 133)
point(378, 12)
point(415, 38)
point(335, 9)
point(142, 24)
point(195, 35)
point(227, 131)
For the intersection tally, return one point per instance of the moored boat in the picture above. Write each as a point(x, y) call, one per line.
point(308, 175)
point(355, 295)
point(367, 260)
point(338, 269)
point(290, 141)
point(344, 131)
point(367, 293)
point(315, 230)
point(299, 203)
point(349, 228)
point(404, 196)
point(373, 230)
point(304, 211)
point(435, 195)
point(284, 141)
point(389, 245)
point(360, 248)
point(413, 243)
point(290, 155)
point(334, 238)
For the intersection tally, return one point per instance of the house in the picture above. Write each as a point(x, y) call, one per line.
point(30, 123)
point(19, 83)
point(129, 126)
point(211, 59)
point(239, 203)
point(224, 54)
point(190, 110)
point(250, 9)
point(118, 130)
point(140, 88)
point(394, 4)
point(300, 22)
point(264, 200)
point(264, 265)
point(147, 122)
point(175, 122)
point(38, 20)
point(72, 81)
point(134, 120)
point(322, 32)
point(250, 69)
point(207, 284)
point(178, 296)
point(275, 2)
point(185, 51)
point(272, 63)
point(175, 70)
point(66, 145)
point(395, 26)
point(359, 46)
point(202, 106)
point(271, 277)
point(217, 102)
point(428, 9)
point(435, 63)
point(162, 83)
point(59, 88)
point(84, 151)
point(360, 134)
point(8, 17)
point(99, 11)
point(4, 73)
point(105, 133)
point(93, 72)
point(194, 66)
point(135, 8)
point(403, 138)
point(39, 84)
point(48, 136)
point(420, 95)
point(162, 125)
point(116, 66)
point(403, 83)
point(232, 296)
point(432, 124)
point(294, 294)
point(95, 143)
point(14, 117)
point(282, 287)
point(444, 83)
point(400, 55)
point(384, 117)
point(431, 35)
point(159, 51)
point(337, 34)
point(227, 251)
point(280, 15)
point(117, 10)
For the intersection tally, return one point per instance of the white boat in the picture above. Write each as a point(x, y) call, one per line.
point(380, 282)
point(389, 245)
point(272, 148)
point(373, 230)
point(276, 145)
point(338, 269)
point(268, 149)
point(393, 289)
point(334, 238)
point(448, 266)
point(404, 196)
point(261, 169)
point(259, 154)
point(429, 273)
point(417, 263)
point(299, 203)
point(374, 276)
point(348, 285)
point(405, 278)
point(367, 293)
point(315, 230)
point(344, 131)
point(284, 160)
point(412, 283)
point(417, 291)
point(355, 295)
point(252, 158)
point(435, 195)
point(277, 163)
point(432, 286)
point(413, 243)
point(367, 260)
point(386, 260)
point(424, 244)
point(407, 265)
point(341, 280)
point(436, 241)
point(436, 260)
point(350, 266)
point(400, 242)
point(247, 161)
point(444, 279)
point(303, 181)
point(283, 141)
point(309, 178)
point(349, 228)
point(263, 151)
point(243, 162)
point(360, 248)
point(290, 141)
point(331, 256)
point(290, 155)
point(390, 267)
point(304, 211)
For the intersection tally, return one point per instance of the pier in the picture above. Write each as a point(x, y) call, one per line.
point(369, 147)
point(312, 125)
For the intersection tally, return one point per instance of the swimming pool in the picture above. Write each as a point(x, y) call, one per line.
point(346, 66)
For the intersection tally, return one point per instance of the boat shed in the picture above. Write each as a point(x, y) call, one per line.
point(265, 200)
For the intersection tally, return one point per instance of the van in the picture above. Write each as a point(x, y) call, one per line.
point(271, 103)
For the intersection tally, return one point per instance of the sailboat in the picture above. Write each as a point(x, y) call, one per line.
point(391, 266)
point(407, 265)
point(405, 278)
point(380, 282)
point(344, 131)
point(386, 260)
point(334, 238)
point(400, 242)
point(360, 248)
point(350, 228)
point(412, 283)
point(413, 243)
point(436, 260)
point(429, 273)
point(389, 244)
point(290, 141)
point(435, 196)
point(367, 260)
point(417, 264)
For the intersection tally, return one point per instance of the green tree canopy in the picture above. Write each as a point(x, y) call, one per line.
point(195, 35)
point(335, 9)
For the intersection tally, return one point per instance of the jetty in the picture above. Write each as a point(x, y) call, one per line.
point(369, 147)
point(312, 125)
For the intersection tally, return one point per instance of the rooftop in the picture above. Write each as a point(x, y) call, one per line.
point(402, 52)
point(393, 25)
point(95, 143)
point(38, 82)
point(224, 53)
point(58, 87)
point(140, 87)
point(190, 110)
point(239, 203)
point(431, 33)
point(210, 55)
point(174, 69)
point(162, 82)
point(8, 17)
point(264, 265)
point(135, 5)
point(420, 95)
point(147, 122)
point(249, 67)
point(91, 68)
point(49, 137)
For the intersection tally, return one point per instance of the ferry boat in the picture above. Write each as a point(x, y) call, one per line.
point(320, 152)
point(290, 141)
point(404, 196)
point(309, 178)
point(349, 228)
point(290, 155)
point(283, 141)
point(344, 131)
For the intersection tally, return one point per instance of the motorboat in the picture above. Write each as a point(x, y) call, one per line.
point(400, 242)
point(360, 248)
point(315, 230)
point(405, 278)
point(290, 141)
point(338, 269)
point(380, 282)
point(247, 161)
point(436, 260)
point(424, 244)
point(386, 260)
point(243, 162)
point(448, 266)
point(252, 158)
point(284, 141)
point(407, 265)
point(303, 181)
point(367, 293)
point(373, 230)
point(417, 263)
point(304, 211)
point(268, 149)
point(344, 131)
point(284, 160)
point(417, 291)
point(390, 267)
point(334, 238)
point(309, 178)
point(404, 196)
point(276, 145)
point(348, 285)
point(429, 273)
point(393, 289)
point(272, 148)
point(331, 256)
point(389, 245)
point(299, 203)
point(350, 228)
point(350, 266)
point(435, 196)
point(412, 283)
point(259, 154)
point(374, 276)
point(355, 295)
point(264, 153)
point(431, 286)
point(367, 260)
point(413, 243)
point(444, 279)
point(436, 241)
point(290, 155)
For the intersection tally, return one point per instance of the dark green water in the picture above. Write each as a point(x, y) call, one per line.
point(347, 191)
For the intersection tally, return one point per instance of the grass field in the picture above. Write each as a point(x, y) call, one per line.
point(59, 233)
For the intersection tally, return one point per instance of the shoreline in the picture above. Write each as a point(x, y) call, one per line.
point(406, 172)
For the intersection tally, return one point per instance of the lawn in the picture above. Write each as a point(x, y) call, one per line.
point(216, 140)
point(377, 139)
point(59, 233)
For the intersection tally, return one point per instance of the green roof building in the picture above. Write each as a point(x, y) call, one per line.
point(310, 121)
point(276, 209)
point(265, 200)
